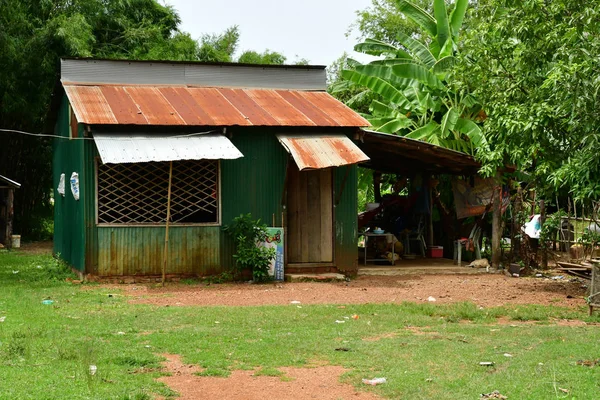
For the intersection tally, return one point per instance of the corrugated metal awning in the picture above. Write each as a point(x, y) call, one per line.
point(207, 106)
point(132, 148)
point(322, 151)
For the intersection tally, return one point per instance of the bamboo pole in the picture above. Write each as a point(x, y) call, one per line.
point(166, 251)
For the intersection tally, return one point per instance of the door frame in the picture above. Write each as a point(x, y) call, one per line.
point(292, 163)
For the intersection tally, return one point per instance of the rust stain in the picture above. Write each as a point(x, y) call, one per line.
point(175, 105)
point(154, 106)
point(282, 111)
point(254, 113)
point(217, 106)
point(307, 108)
point(123, 108)
point(335, 109)
point(316, 152)
point(183, 101)
point(89, 101)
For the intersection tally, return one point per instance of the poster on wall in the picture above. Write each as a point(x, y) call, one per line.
point(472, 200)
point(275, 241)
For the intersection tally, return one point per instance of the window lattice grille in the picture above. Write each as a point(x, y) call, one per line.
point(137, 193)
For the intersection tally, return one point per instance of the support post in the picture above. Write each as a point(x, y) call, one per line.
point(569, 243)
point(515, 229)
point(496, 221)
point(544, 240)
point(430, 219)
point(377, 186)
point(10, 212)
point(166, 250)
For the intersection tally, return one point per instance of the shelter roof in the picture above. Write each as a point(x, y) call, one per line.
point(401, 155)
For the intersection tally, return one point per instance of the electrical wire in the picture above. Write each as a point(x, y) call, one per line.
point(113, 138)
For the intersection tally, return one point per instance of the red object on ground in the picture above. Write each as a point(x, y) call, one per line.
point(435, 252)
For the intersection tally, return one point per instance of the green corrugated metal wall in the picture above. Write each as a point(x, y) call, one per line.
point(346, 220)
point(69, 223)
point(252, 184)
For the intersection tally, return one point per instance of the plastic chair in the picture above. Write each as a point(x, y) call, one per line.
point(417, 236)
point(474, 236)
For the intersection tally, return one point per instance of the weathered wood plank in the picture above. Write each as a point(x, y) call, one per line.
point(326, 215)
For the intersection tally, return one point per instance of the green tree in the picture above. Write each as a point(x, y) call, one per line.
point(219, 47)
point(416, 93)
point(383, 21)
point(266, 57)
point(534, 66)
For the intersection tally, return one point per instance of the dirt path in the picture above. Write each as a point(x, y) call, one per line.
point(318, 382)
point(484, 290)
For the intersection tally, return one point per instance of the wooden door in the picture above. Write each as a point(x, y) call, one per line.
point(310, 216)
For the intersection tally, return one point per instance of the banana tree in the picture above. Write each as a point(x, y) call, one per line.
point(412, 81)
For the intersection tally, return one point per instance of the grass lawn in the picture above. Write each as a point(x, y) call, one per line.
point(425, 351)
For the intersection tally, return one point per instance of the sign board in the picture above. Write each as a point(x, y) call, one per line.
point(275, 240)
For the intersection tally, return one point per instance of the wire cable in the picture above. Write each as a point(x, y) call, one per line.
point(91, 138)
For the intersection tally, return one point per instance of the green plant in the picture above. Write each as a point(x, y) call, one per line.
point(249, 234)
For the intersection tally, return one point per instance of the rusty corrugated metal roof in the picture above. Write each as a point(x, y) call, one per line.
point(322, 151)
point(180, 105)
point(118, 148)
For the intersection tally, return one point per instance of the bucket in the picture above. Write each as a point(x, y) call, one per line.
point(16, 241)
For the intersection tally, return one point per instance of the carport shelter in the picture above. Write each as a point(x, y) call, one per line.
point(265, 140)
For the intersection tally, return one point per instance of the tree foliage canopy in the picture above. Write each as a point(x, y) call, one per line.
point(534, 66)
point(412, 89)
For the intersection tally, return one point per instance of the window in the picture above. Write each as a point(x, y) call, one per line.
point(137, 193)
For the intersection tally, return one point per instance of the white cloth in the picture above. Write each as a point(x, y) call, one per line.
point(61, 185)
point(533, 227)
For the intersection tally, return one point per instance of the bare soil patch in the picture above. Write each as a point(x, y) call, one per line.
point(484, 290)
point(321, 382)
point(44, 247)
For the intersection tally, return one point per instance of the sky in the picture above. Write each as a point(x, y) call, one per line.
point(299, 29)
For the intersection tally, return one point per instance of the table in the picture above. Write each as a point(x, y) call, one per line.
point(376, 235)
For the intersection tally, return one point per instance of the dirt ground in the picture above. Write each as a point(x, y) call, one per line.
point(485, 290)
point(319, 382)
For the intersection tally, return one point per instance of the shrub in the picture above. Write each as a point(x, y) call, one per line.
point(248, 235)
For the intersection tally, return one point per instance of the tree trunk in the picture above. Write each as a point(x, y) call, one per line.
point(543, 242)
point(496, 221)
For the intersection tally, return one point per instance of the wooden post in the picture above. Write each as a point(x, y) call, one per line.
point(166, 251)
point(496, 221)
point(544, 240)
point(10, 198)
point(515, 245)
point(569, 225)
point(430, 219)
point(377, 186)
